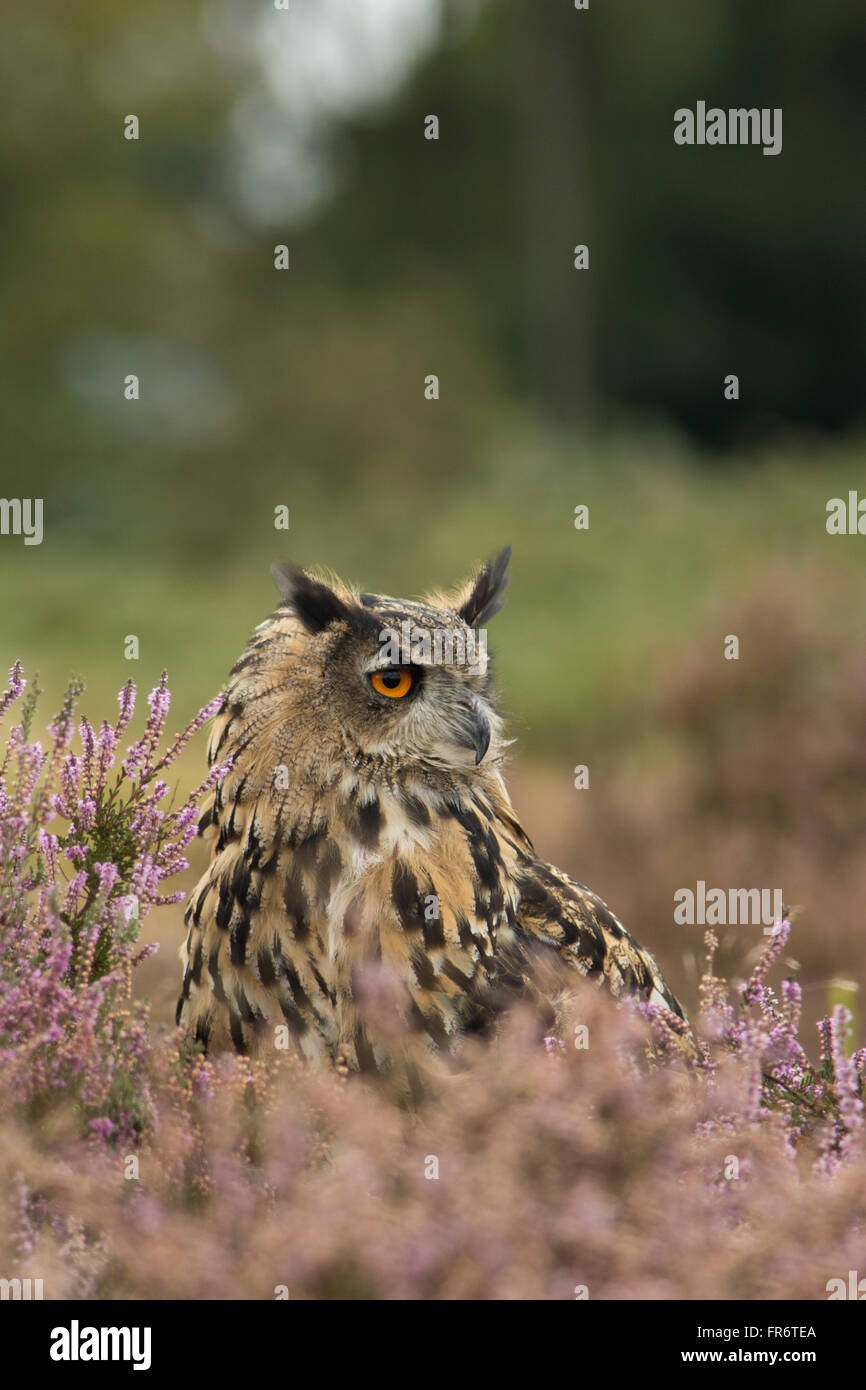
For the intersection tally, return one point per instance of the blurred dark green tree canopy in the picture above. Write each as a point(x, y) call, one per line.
point(556, 128)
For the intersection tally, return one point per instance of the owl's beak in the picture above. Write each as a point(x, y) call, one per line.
point(479, 731)
point(471, 728)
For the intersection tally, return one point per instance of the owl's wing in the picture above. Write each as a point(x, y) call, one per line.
point(556, 911)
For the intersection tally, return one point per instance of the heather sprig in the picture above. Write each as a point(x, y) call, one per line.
point(85, 847)
point(762, 1031)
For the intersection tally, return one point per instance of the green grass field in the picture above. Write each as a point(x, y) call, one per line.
point(592, 616)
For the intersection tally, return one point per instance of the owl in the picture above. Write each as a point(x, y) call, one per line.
point(372, 895)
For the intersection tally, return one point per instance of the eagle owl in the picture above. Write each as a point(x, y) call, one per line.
point(366, 848)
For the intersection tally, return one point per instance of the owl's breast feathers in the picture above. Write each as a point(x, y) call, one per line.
point(349, 913)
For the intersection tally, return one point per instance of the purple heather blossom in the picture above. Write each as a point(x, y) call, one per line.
point(770, 955)
point(126, 701)
point(834, 1031)
point(67, 953)
point(17, 686)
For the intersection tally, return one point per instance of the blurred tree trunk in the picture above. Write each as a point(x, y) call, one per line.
point(551, 65)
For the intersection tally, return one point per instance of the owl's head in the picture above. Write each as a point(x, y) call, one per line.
point(393, 680)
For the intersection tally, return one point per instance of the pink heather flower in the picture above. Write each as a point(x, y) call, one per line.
point(17, 686)
point(771, 954)
point(48, 846)
point(216, 774)
point(106, 744)
point(108, 875)
point(102, 1128)
point(70, 781)
point(139, 755)
point(844, 1073)
point(126, 701)
point(205, 714)
point(792, 994)
point(88, 740)
point(137, 762)
point(127, 908)
point(826, 1040)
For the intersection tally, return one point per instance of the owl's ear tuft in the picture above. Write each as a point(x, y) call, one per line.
point(316, 605)
point(486, 592)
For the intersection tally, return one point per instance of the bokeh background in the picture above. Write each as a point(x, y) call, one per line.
point(305, 388)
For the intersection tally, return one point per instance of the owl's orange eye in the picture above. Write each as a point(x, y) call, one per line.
point(395, 682)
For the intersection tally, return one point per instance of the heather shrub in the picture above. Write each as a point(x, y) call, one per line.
point(72, 897)
point(607, 1161)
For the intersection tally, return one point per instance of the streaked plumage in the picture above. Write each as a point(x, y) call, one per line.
point(366, 848)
